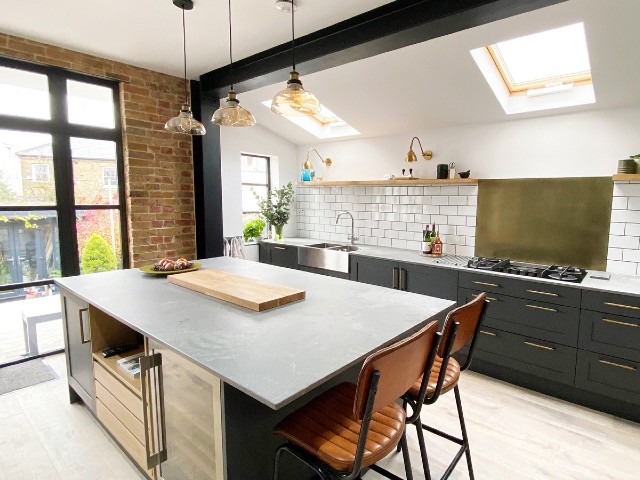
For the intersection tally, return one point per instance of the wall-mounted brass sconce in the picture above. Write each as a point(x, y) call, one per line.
point(327, 161)
point(411, 156)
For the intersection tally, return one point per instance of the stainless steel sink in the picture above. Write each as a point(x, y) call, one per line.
point(327, 256)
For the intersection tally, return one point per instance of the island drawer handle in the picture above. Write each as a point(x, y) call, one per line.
point(403, 279)
point(619, 365)
point(487, 284)
point(621, 306)
point(80, 313)
point(543, 293)
point(546, 309)
point(491, 334)
point(618, 322)
point(147, 363)
point(491, 299)
point(280, 248)
point(395, 278)
point(543, 347)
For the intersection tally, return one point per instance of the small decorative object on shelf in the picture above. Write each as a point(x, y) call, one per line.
point(275, 208)
point(452, 170)
point(131, 364)
point(253, 229)
point(465, 174)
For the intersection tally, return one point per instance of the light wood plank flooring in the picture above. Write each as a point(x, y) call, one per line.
point(515, 434)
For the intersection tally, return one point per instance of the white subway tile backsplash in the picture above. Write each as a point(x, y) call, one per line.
point(449, 190)
point(624, 242)
point(631, 255)
point(384, 242)
point(432, 190)
point(469, 190)
point(465, 250)
point(632, 229)
point(469, 210)
point(634, 202)
point(449, 210)
point(627, 216)
point(400, 191)
point(614, 254)
point(440, 200)
point(458, 200)
point(391, 234)
point(623, 268)
point(416, 190)
point(620, 203)
point(431, 209)
point(626, 189)
point(398, 243)
point(619, 228)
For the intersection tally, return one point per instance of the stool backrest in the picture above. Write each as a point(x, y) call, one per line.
point(468, 317)
point(398, 366)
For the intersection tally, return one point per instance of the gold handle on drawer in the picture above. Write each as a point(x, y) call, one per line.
point(546, 309)
point(491, 334)
point(613, 364)
point(621, 306)
point(618, 322)
point(81, 315)
point(280, 248)
point(148, 363)
point(549, 294)
point(491, 299)
point(543, 347)
point(487, 284)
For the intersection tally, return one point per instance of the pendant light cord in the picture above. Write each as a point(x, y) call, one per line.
point(293, 36)
point(230, 48)
point(184, 55)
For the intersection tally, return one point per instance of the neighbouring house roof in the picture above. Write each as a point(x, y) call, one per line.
point(81, 149)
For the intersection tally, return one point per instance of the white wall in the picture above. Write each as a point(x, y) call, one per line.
point(567, 145)
point(259, 141)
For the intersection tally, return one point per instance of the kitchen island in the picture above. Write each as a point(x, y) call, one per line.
point(220, 376)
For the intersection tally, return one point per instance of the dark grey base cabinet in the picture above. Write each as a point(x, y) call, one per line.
point(279, 255)
point(409, 277)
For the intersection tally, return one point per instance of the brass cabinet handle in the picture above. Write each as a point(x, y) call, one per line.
point(543, 347)
point(280, 248)
point(613, 364)
point(543, 293)
point(491, 334)
point(147, 363)
point(403, 279)
point(491, 299)
point(618, 322)
point(80, 314)
point(395, 278)
point(546, 309)
point(487, 284)
point(621, 306)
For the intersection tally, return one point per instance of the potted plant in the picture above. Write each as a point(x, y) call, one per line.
point(275, 208)
point(253, 229)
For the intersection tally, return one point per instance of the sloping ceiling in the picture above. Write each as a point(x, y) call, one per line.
point(437, 84)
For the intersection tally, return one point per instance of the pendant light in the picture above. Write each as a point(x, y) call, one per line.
point(184, 122)
point(295, 101)
point(232, 114)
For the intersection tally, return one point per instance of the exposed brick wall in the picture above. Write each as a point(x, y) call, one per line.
point(158, 165)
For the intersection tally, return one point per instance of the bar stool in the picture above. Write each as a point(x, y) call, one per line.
point(351, 427)
point(460, 328)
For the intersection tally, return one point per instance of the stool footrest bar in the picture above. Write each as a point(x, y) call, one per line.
point(451, 438)
point(385, 473)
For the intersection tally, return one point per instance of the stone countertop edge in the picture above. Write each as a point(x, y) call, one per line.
point(623, 284)
point(274, 356)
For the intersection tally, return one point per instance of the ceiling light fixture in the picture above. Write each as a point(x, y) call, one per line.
point(285, 5)
point(411, 156)
point(184, 122)
point(232, 114)
point(294, 100)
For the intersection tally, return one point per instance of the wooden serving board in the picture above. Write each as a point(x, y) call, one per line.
point(242, 291)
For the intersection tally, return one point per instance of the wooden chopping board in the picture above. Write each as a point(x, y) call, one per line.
point(242, 291)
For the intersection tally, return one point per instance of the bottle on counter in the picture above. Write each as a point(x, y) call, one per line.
point(436, 245)
point(433, 234)
point(426, 240)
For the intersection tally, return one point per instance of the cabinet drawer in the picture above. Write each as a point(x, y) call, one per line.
point(433, 281)
point(609, 376)
point(611, 303)
point(483, 282)
point(126, 439)
point(122, 413)
point(610, 334)
point(544, 321)
point(541, 358)
point(284, 256)
point(130, 400)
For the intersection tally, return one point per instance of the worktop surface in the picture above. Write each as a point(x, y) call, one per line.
point(275, 356)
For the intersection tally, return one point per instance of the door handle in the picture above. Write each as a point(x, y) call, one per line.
point(395, 278)
point(621, 306)
point(491, 334)
point(81, 315)
point(491, 299)
point(619, 365)
point(487, 284)
point(546, 309)
point(280, 248)
point(618, 322)
point(536, 345)
point(543, 293)
point(147, 364)
point(403, 279)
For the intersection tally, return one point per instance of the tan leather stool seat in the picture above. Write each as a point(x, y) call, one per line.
point(326, 428)
point(450, 380)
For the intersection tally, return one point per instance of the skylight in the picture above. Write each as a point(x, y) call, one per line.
point(548, 58)
point(325, 124)
point(542, 71)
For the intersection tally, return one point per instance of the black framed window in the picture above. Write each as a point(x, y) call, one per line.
point(255, 172)
point(62, 208)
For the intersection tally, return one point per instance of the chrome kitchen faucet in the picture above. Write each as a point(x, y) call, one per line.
point(351, 237)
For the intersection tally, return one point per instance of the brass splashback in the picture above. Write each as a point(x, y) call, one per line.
point(563, 221)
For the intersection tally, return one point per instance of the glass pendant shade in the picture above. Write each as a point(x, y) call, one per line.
point(232, 114)
point(295, 101)
point(185, 123)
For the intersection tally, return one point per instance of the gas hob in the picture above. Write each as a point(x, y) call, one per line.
point(555, 272)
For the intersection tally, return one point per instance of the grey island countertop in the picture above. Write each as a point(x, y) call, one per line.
point(275, 356)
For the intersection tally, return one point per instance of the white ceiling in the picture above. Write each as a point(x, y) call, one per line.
point(437, 84)
point(148, 33)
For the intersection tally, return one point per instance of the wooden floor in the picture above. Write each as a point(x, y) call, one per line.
point(515, 434)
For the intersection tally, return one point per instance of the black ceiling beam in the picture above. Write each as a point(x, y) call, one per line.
point(389, 27)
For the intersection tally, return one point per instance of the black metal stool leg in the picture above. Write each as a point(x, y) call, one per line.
point(293, 453)
point(405, 455)
point(465, 438)
point(423, 450)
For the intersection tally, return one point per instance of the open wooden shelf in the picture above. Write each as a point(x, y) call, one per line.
point(394, 182)
point(111, 365)
point(629, 177)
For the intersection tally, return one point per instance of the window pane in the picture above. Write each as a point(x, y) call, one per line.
point(254, 169)
point(249, 203)
point(24, 94)
point(99, 246)
point(90, 104)
point(26, 169)
point(94, 172)
point(39, 309)
point(29, 246)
